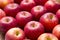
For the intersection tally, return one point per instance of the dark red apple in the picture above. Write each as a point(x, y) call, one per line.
point(33, 29)
point(12, 9)
point(2, 13)
point(47, 36)
point(17, 1)
point(40, 2)
point(49, 20)
point(6, 23)
point(15, 34)
point(56, 31)
point(51, 6)
point(58, 14)
point(3, 3)
point(23, 17)
point(27, 5)
point(38, 11)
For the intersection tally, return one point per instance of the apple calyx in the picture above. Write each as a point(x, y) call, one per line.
point(24, 13)
point(51, 16)
point(38, 8)
point(17, 33)
point(48, 38)
point(33, 24)
point(7, 20)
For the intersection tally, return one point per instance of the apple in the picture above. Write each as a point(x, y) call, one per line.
point(27, 5)
point(17, 1)
point(23, 17)
point(38, 11)
point(6, 23)
point(56, 31)
point(47, 36)
point(40, 2)
point(58, 14)
point(33, 29)
point(15, 34)
point(49, 20)
point(3, 3)
point(12, 9)
point(2, 13)
point(51, 6)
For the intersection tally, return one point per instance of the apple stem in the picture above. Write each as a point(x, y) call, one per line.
point(51, 16)
point(33, 24)
point(17, 33)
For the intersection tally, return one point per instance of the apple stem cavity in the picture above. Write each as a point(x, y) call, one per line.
point(27, 1)
point(24, 13)
point(17, 33)
point(38, 8)
point(51, 16)
point(33, 24)
point(7, 20)
point(48, 38)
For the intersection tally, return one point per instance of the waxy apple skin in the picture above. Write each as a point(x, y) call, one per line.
point(15, 34)
point(6, 23)
point(3, 3)
point(40, 2)
point(12, 9)
point(38, 11)
point(49, 20)
point(51, 6)
point(23, 17)
point(33, 29)
point(2, 13)
point(56, 31)
point(27, 5)
point(47, 36)
point(58, 14)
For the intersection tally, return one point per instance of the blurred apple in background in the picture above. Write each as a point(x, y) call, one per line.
point(18, 1)
point(2, 13)
point(3, 3)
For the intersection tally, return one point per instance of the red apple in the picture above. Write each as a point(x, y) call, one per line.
point(38, 11)
point(6, 23)
point(49, 20)
point(58, 14)
point(12, 9)
point(33, 29)
point(15, 34)
point(3, 3)
point(23, 17)
point(47, 36)
point(40, 2)
point(17, 1)
point(56, 31)
point(27, 5)
point(51, 6)
point(2, 13)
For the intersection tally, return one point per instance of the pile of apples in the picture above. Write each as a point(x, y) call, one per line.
point(30, 19)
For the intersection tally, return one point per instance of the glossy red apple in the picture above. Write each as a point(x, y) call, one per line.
point(27, 5)
point(6, 23)
point(3, 3)
point(15, 34)
point(56, 31)
point(23, 17)
point(58, 14)
point(49, 20)
point(17, 1)
point(2, 13)
point(40, 2)
point(38, 11)
point(51, 6)
point(33, 29)
point(47, 36)
point(12, 9)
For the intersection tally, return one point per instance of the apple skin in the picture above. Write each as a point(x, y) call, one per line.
point(38, 11)
point(33, 29)
point(58, 14)
point(12, 9)
point(17, 1)
point(6, 23)
point(56, 31)
point(3, 3)
point(47, 36)
point(27, 5)
point(23, 17)
point(49, 20)
point(40, 2)
point(2, 13)
point(51, 6)
point(15, 34)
